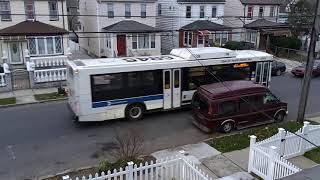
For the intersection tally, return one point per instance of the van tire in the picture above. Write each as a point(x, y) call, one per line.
point(279, 116)
point(227, 127)
point(135, 111)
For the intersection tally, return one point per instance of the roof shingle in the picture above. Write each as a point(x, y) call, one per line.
point(31, 28)
point(203, 25)
point(263, 23)
point(130, 26)
point(264, 2)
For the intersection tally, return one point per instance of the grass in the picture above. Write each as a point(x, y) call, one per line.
point(241, 140)
point(7, 101)
point(314, 155)
point(48, 96)
point(292, 56)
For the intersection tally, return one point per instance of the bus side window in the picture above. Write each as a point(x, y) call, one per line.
point(167, 80)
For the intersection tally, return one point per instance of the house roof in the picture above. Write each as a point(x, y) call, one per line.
point(32, 28)
point(201, 1)
point(265, 2)
point(203, 25)
point(263, 23)
point(130, 26)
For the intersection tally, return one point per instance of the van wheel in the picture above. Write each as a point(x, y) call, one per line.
point(134, 112)
point(227, 127)
point(279, 117)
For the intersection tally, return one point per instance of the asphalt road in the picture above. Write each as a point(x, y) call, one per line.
point(41, 139)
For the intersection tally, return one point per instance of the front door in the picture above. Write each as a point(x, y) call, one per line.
point(121, 45)
point(171, 88)
point(15, 53)
point(263, 72)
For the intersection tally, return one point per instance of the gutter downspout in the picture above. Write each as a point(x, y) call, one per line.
point(98, 25)
point(63, 15)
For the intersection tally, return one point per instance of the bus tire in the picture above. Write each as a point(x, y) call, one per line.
point(134, 111)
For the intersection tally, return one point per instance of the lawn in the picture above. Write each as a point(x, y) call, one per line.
point(48, 96)
point(314, 155)
point(241, 140)
point(7, 101)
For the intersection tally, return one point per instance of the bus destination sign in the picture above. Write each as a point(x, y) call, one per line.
point(153, 58)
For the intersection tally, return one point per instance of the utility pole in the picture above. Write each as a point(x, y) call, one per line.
point(309, 66)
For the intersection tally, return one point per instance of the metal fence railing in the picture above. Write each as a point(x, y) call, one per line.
point(291, 54)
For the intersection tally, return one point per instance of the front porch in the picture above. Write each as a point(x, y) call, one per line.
point(204, 33)
point(131, 38)
point(33, 55)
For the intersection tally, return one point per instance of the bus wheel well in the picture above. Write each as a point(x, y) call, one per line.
point(137, 103)
point(135, 111)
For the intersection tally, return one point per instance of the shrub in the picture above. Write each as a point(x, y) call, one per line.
point(234, 45)
point(286, 42)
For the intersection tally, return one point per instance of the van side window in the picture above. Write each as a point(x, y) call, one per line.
point(227, 108)
point(269, 98)
point(244, 105)
point(255, 102)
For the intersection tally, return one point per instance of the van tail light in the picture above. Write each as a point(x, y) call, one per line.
point(210, 110)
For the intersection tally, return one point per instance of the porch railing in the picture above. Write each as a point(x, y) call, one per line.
point(3, 80)
point(50, 75)
point(52, 61)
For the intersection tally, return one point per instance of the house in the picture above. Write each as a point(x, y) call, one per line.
point(73, 14)
point(119, 28)
point(255, 21)
point(32, 31)
point(191, 23)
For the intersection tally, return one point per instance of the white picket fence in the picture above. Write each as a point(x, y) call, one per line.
point(74, 46)
point(49, 75)
point(50, 61)
point(3, 80)
point(177, 168)
point(267, 158)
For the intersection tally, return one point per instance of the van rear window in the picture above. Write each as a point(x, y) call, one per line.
point(200, 104)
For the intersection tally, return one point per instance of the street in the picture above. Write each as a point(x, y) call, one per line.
point(41, 139)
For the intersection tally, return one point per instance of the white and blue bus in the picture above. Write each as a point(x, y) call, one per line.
point(111, 88)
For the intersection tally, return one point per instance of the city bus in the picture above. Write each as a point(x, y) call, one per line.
point(127, 87)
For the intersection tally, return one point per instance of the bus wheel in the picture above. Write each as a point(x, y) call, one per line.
point(134, 112)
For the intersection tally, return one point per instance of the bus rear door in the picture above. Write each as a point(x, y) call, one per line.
point(263, 73)
point(171, 88)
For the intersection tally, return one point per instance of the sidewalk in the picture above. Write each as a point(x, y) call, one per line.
point(26, 96)
point(290, 64)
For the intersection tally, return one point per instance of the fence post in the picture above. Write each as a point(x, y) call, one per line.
point(253, 140)
point(271, 163)
point(130, 169)
point(282, 143)
point(304, 134)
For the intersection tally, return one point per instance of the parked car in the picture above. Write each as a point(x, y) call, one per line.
point(278, 68)
point(235, 104)
point(299, 71)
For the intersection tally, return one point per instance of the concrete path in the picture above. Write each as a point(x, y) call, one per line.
point(302, 162)
point(208, 159)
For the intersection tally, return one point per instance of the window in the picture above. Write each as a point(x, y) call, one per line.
point(250, 12)
point(200, 39)
point(143, 41)
point(167, 80)
point(53, 11)
point(272, 11)
point(253, 37)
point(159, 9)
point(127, 10)
point(218, 37)
point(29, 9)
point(134, 42)
point(227, 108)
point(153, 41)
point(261, 12)
point(108, 41)
point(5, 10)
point(187, 38)
point(201, 11)
point(282, 9)
point(214, 11)
point(195, 77)
point(110, 10)
point(201, 104)
point(255, 102)
point(248, 36)
point(188, 12)
point(176, 78)
point(143, 10)
point(50, 45)
point(224, 37)
point(269, 98)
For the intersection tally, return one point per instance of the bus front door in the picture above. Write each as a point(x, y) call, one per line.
point(263, 70)
point(171, 88)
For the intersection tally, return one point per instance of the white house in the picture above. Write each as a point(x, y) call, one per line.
point(254, 21)
point(32, 31)
point(190, 23)
point(119, 28)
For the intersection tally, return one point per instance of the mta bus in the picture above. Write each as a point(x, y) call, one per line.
point(127, 87)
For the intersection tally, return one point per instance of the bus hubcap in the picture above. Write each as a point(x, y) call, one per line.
point(135, 112)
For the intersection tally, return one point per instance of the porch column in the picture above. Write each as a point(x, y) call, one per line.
point(181, 38)
point(112, 45)
point(4, 57)
point(194, 39)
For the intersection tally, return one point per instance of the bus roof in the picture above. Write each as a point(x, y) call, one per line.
point(182, 55)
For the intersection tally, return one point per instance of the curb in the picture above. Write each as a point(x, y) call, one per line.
point(35, 102)
point(64, 172)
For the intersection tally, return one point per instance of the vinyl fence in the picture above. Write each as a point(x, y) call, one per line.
point(174, 168)
point(267, 158)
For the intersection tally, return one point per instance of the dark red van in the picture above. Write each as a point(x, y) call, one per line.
point(235, 104)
